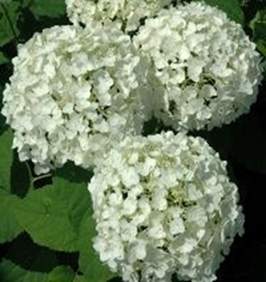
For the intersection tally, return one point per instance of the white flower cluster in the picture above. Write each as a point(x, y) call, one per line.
point(164, 204)
point(126, 14)
point(204, 69)
point(74, 89)
point(71, 91)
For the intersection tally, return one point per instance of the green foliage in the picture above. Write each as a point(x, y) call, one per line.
point(11, 272)
point(50, 8)
point(9, 226)
point(15, 177)
point(64, 274)
point(5, 158)
point(3, 58)
point(80, 278)
point(9, 15)
point(61, 274)
point(231, 7)
point(52, 215)
point(258, 26)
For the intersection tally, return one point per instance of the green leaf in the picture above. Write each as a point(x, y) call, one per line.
point(258, 25)
point(9, 15)
point(259, 30)
point(10, 272)
point(261, 45)
point(64, 274)
point(3, 58)
point(15, 176)
point(61, 274)
point(25, 3)
point(6, 156)
point(231, 7)
point(52, 215)
point(9, 226)
point(89, 262)
point(49, 8)
point(80, 278)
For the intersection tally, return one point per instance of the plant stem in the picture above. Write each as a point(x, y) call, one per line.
point(41, 177)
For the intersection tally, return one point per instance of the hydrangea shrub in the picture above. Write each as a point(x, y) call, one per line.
point(163, 206)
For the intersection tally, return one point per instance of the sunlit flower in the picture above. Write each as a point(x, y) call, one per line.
point(127, 14)
point(204, 69)
point(73, 91)
point(170, 209)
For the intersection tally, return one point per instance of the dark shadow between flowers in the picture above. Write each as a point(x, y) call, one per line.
point(27, 20)
point(245, 263)
point(73, 173)
point(154, 126)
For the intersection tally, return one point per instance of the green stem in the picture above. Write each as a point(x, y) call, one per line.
point(36, 178)
point(41, 177)
point(30, 175)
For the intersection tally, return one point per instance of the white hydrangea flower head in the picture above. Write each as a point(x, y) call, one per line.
point(125, 13)
point(205, 71)
point(73, 90)
point(164, 204)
